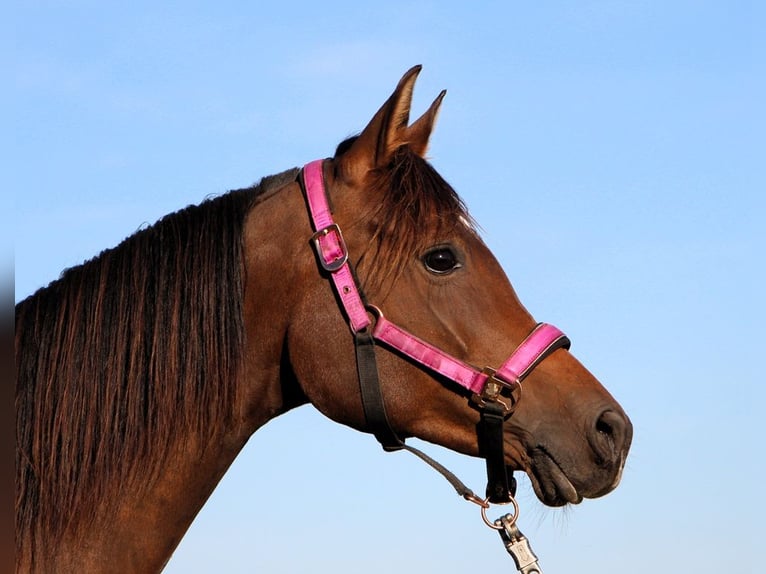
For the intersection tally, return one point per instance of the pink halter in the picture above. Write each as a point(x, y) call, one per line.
point(485, 384)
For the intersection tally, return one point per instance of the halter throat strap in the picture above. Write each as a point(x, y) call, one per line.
point(495, 391)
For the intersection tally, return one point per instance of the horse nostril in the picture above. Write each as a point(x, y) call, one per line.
point(603, 425)
point(611, 436)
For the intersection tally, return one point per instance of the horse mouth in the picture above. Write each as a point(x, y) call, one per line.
point(549, 481)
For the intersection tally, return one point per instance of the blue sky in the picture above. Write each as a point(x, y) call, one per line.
point(613, 153)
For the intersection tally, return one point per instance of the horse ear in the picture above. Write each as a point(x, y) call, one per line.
point(386, 132)
point(419, 132)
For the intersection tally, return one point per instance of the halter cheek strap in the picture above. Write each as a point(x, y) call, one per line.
point(330, 246)
point(492, 390)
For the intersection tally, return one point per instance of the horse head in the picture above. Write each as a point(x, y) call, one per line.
point(419, 260)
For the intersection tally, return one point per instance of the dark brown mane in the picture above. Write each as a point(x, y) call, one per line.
point(418, 208)
point(124, 354)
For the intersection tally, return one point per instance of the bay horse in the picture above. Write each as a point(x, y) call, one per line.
point(142, 373)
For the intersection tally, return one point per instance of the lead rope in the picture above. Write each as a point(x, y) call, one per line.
point(516, 544)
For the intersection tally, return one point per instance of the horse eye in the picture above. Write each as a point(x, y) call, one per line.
point(441, 261)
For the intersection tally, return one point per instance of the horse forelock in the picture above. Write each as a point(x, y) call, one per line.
point(416, 208)
point(122, 355)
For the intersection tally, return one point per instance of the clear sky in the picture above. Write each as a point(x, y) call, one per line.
point(613, 153)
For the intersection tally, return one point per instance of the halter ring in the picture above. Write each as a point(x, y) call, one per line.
point(511, 518)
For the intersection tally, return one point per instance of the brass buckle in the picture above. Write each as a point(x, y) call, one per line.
point(493, 392)
point(316, 239)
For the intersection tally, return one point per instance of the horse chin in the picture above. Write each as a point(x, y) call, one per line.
point(549, 481)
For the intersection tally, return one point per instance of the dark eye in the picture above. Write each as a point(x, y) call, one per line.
point(441, 260)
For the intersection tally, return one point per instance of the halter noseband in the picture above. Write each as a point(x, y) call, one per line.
point(494, 391)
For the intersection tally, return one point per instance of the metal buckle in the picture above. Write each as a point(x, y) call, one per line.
point(338, 262)
point(493, 391)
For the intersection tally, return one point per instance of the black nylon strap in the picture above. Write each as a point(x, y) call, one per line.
point(501, 485)
point(369, 385)
point(375, 410)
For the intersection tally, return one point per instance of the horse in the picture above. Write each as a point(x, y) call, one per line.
point(141, 373)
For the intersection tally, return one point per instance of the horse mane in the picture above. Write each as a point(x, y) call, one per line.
point(417, 209)
point(124, 354)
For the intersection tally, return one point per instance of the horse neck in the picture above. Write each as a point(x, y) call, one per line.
point(155, 523)
point(147, 524)
point(138, 526)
